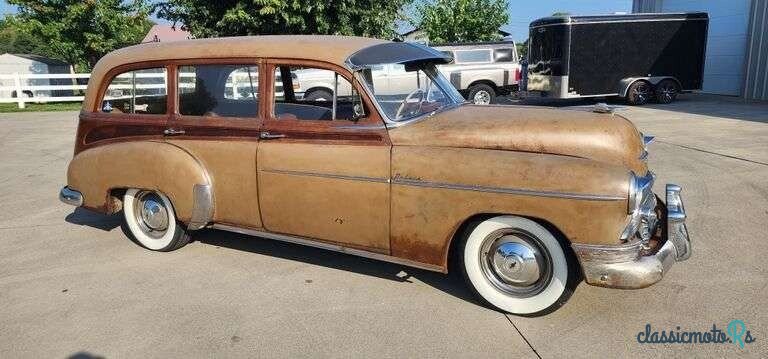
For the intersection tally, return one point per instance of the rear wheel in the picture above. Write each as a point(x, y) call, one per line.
point(517, 266)
point(666, 91)
point(151, 221)
point(319, 95)
point(482, 94)
point(639, 93)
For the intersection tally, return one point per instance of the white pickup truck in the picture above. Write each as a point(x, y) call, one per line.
point(480, 71)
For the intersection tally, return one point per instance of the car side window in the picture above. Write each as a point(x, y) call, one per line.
point(314, 94)
point(142, 91)
point(218, 90)
point(470, 56)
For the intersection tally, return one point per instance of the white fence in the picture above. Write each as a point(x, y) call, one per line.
point(26, 88)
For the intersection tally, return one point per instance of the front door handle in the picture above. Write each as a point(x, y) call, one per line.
point(173, 132)
point(270, 136)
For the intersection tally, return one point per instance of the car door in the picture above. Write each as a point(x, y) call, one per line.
point(323, 174)
point(217, 118)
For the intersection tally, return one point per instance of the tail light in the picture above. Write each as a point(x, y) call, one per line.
point(518, 75)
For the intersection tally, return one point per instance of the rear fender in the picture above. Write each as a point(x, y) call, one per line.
point(150, 165)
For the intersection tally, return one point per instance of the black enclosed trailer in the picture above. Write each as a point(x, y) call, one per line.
point(640, 57)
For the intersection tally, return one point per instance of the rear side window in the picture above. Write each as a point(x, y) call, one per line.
point(219, 90)
point(504, 55)
point(467, 56)
point(138, 92)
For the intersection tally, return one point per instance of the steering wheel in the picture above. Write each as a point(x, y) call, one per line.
point(412, 95)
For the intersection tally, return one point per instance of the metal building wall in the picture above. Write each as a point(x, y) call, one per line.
point(727, 43)
point(640, 6)
point(756, 68)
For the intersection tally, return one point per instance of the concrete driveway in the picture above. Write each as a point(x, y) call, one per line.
point(71, 284)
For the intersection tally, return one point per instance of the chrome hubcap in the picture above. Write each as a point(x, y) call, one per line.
point(515, 262)
point(151, 213)
point(641, 93)
point(482, 98)
point(667, 92)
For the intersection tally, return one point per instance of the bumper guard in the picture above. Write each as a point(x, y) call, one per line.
point(639, 264)
point(71, 197)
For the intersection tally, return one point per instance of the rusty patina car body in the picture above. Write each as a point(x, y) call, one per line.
point(407, 179)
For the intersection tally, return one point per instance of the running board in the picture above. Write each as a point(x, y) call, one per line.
point(328, 246)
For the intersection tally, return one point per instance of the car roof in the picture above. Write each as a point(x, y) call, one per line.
point(327, 48)
point(397, 53)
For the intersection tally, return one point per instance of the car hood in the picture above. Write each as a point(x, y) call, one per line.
point(603, 137)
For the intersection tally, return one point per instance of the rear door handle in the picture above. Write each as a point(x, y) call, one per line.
point(270, 136)
point(173, 132)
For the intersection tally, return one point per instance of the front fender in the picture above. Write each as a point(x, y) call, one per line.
point(436, 189)
point(151, 165)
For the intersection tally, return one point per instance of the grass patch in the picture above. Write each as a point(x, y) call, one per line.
point(39, 107)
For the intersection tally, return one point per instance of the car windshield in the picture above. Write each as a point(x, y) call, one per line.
point(404, 92)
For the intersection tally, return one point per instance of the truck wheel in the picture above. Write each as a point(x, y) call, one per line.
point(666, 91)
point(151, 221)
point(319, 95)
point(481, 94)
point(517, 266)
point(639, 93)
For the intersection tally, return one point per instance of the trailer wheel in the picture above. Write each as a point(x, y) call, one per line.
point(639, 93)
point(481, 94)
point(666, 91)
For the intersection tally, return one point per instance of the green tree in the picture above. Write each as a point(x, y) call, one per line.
point(82, 31)
point(17, 42)
point(522, 49)
point(205, 18)
point(461, 20)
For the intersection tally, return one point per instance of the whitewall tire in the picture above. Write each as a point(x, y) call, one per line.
point(516, 265)
point(151, 220)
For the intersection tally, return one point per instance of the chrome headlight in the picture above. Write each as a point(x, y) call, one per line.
point(641, 204)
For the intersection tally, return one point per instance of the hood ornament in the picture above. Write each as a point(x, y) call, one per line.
point(602, 107)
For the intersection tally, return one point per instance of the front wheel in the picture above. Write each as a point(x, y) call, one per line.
point(517, 266)
point(151, 221)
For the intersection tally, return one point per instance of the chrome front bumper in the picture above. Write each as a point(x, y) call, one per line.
point(639, 264)
point(71, 197)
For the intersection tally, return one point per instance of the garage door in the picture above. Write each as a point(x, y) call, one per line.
point(726, 44)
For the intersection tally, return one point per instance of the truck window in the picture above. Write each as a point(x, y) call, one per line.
point(472, 56)
point(504, 55)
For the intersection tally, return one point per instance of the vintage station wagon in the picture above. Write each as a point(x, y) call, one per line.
point(523, 202)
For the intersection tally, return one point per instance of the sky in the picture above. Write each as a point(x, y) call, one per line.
point(522, 12)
